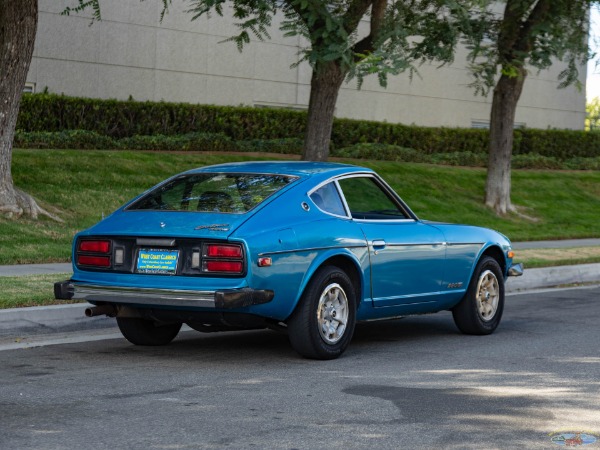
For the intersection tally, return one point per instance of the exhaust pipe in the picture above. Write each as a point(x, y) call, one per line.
point(108, 310)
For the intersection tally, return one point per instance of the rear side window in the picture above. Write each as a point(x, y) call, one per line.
point(212, 192)
point(327, 198)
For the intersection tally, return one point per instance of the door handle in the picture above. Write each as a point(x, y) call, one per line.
point(378, 243)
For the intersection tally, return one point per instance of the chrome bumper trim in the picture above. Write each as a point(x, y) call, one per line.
point(166, 297)
point(516, 270)
point(224, 299)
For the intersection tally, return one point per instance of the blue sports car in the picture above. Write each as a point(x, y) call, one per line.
point(310, 248)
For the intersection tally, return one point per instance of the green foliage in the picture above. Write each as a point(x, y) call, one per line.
point(75, 139)
point(592, 119)
point(427, 140)
point(533, 33)
point(288, 146)
point(387, 152)
point(208, 142)
point(118, 119)
point(561, 144)
point(331, 29)
point(52, 121)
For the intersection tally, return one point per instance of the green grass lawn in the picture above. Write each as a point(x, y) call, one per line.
point(31, 290)
point(82, 185)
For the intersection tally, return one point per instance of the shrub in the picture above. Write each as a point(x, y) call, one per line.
point(290, 146)
point(118, 119)
point(381, 152)
point(72, 139)
point(467, 159)
point(219, 128)
point(210, 142)
point(535, 161)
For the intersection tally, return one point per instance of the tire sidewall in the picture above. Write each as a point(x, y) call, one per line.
point(307, 311)
point(466, 313)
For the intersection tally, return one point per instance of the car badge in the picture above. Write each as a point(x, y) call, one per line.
point(214, 227)
point(162, 224)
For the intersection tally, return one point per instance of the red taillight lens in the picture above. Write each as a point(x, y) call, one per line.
point(94, 246)
point(97, 261)
point(223, 251)
point(223, 266)
point(223, 258)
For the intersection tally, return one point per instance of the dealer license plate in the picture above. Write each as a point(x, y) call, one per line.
point(157, 261)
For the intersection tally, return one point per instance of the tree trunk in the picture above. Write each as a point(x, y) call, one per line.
point(325, 85)
point(18, 26)
point(504, 105)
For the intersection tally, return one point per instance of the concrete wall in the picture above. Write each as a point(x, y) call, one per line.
point(130, 53)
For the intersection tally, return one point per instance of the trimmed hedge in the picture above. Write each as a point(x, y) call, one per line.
point(224, 128)
point(119, 119)
point(208, 142)
point(214, 142)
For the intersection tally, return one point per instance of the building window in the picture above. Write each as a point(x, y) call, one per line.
point(281, 106)
point(29, 88)
point(485, 125)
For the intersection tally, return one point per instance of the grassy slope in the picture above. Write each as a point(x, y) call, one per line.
point(83, 185)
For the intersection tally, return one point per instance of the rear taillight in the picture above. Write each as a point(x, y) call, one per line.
point(223, 251)
point(223, 266)
point(98, 261)
point(223, 258)
point(94, 246)
point(94, 253)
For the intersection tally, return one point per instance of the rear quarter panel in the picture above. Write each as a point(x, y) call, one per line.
point(298, 241)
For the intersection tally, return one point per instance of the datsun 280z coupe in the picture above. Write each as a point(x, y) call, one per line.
point(310, 248)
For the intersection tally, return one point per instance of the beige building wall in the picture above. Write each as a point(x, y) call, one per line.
point(130, 53)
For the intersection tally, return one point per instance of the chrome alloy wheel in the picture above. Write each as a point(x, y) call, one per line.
point(488, 295)
point(332, 313)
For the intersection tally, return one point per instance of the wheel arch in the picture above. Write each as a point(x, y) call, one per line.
point(350, 268)
point(347, 262)
point(495, 252)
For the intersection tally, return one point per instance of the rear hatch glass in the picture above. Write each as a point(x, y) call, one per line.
point(232, 193)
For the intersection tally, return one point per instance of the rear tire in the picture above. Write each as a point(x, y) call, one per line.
point(323, 323)
point(147, 332)
point(480, 310)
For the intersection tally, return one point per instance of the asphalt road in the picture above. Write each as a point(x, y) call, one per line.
point(411, 383)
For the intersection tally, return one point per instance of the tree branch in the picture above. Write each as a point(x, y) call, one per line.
point(514, 12)
point(355, 12)
point(378, 11)
point(526, 36)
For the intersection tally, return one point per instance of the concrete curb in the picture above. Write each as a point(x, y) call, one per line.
point(50, 319)
point(554, 276)
point(61, 318)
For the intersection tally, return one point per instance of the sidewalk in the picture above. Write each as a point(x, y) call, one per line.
point(60, 318)
point(35, 269)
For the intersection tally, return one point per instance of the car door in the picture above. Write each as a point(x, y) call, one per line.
point(407, 257)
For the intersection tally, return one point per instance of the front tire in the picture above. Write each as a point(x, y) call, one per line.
point(147, 332)
point(323, 323)
point(480, 310)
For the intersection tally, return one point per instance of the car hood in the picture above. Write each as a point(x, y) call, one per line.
point(169, 223)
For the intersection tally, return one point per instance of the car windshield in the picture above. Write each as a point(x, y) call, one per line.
point(212, 192)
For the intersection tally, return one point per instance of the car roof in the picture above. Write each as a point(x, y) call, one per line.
point(294, 168)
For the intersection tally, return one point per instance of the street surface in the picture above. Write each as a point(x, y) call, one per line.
point(411, 383)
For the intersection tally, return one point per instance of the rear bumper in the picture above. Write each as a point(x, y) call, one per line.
point(224, 299)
